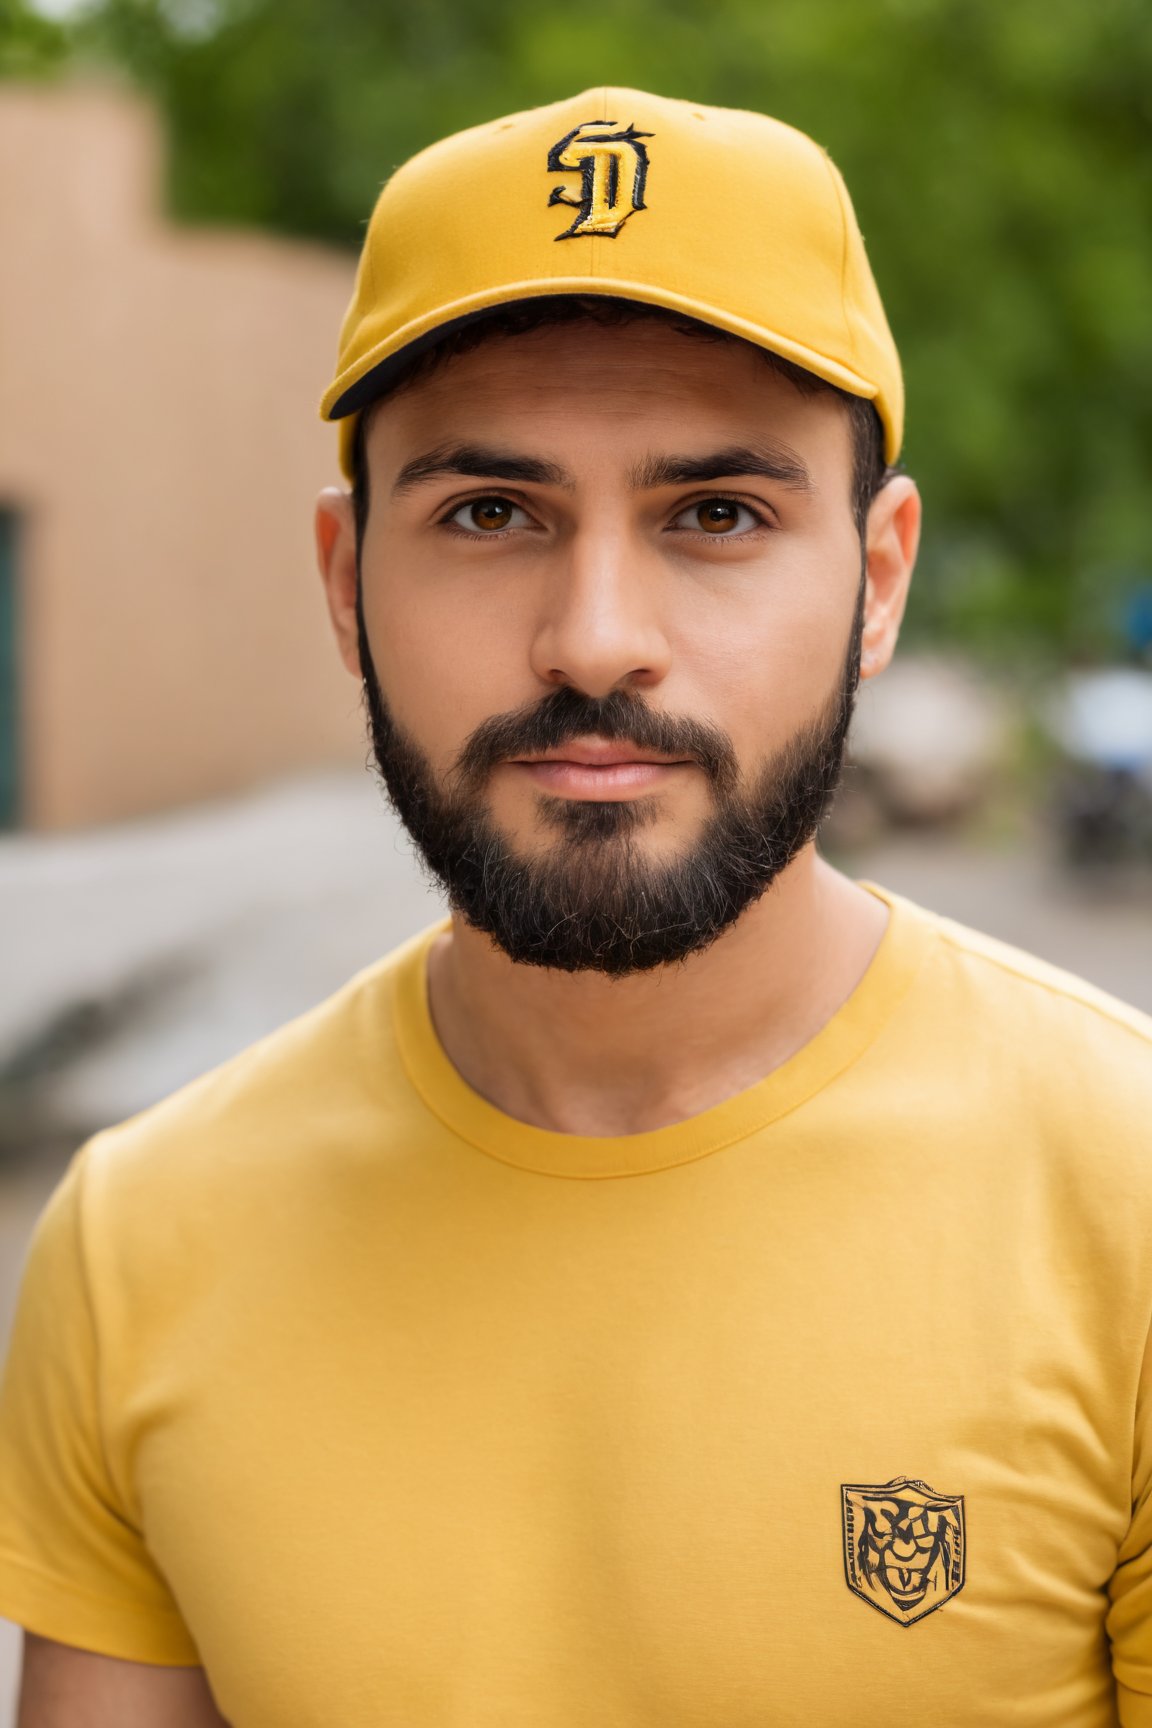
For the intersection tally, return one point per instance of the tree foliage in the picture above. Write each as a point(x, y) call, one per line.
point(31, 46)
point(998, 153)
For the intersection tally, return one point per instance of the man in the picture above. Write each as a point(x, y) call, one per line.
point(686, 1287)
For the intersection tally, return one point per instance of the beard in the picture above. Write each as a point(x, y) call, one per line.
point(593, 902)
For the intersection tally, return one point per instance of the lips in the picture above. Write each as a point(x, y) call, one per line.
point(598, 769)
point(600, 753)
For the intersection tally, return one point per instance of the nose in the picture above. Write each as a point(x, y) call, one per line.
point(600, 627)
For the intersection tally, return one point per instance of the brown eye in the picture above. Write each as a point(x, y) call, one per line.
point(490, 513)
point(720, 518)
point(491, 516)
point(718, 515)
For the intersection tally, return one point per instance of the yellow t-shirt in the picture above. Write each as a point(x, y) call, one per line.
point(822, 1406)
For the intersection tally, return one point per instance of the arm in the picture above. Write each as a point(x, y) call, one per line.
point(62, 1687)
point(1130, 1588)
point(75, 1567)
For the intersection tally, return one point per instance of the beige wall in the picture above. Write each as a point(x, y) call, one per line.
point(158, 431)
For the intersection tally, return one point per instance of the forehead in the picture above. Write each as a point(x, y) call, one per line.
point(606, 393)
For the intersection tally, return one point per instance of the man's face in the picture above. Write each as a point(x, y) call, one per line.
point(609, 589)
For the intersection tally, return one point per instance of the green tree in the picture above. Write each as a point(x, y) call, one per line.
point(30, 45)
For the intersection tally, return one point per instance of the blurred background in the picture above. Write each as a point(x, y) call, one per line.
point(190, 849)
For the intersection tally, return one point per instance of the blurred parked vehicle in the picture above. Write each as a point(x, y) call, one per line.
point(928, 743)
point(1101, 806)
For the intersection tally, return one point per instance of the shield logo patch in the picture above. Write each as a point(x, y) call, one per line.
point(904, 1549)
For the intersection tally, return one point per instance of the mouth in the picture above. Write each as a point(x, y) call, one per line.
point(598, 768)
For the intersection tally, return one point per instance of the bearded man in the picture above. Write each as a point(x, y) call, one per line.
point(687, 1288)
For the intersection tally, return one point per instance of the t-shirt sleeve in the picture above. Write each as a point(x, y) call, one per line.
point(1130, 1590)
point(73, 1564)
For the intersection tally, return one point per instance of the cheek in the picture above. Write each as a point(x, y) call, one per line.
point(764, 665)
point(443, 669)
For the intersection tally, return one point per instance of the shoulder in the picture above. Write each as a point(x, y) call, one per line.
point(1013, 984)
point(1033, 1089)
point(315, 1093)
point(1034, 1052)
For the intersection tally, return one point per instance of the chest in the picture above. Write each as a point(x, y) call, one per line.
point(726, 1471)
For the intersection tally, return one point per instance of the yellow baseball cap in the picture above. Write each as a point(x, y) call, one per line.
point(728, 217)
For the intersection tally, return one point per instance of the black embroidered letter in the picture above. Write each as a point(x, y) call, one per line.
point(613, 167)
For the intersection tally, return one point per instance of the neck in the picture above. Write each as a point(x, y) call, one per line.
point(584, 1054)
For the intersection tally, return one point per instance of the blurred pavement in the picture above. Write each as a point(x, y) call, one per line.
point(135, 958)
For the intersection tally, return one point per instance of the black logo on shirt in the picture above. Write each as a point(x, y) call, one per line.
point(613, 167)
point(903, 1546)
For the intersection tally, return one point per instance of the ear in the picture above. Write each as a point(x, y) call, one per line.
point(336, 556)
point(891, 540)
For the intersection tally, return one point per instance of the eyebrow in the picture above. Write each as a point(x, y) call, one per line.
point(777, 464)
point(486, 462)
point(478, 462)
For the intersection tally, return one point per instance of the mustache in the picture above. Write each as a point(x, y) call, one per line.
point(620, 717)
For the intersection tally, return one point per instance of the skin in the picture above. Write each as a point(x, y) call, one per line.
point(599, 582)
point(604, 578)
point(66, 1688)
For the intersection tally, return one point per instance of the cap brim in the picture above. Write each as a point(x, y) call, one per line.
point(374, 373)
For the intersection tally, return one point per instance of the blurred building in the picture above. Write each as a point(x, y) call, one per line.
point(162, 631)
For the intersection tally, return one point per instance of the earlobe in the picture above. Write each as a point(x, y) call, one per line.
point(337, 560)
point(893, 535)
